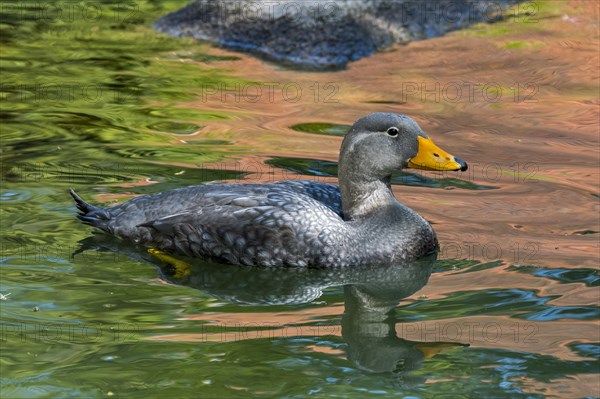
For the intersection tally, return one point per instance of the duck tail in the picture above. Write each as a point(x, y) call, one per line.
point(91, 214)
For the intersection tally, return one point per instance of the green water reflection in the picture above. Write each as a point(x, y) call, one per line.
point(329, 129)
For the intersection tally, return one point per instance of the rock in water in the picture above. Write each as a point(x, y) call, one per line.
point(324, 34)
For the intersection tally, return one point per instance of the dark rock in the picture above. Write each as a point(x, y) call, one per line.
point(324, 34)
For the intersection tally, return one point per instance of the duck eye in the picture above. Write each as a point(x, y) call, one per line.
point(393, 131)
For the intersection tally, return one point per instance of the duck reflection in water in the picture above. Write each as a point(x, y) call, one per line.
point(371, 295)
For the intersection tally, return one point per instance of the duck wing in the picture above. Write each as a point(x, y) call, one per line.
point(284, 223)
point(328, 194)
point(279, 227)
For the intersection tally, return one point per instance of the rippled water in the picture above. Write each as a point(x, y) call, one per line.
point(97, 101)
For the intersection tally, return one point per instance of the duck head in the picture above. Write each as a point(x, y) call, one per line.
point(384, 143)
point(378, 145)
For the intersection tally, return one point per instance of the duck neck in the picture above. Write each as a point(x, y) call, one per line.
point(362, 196)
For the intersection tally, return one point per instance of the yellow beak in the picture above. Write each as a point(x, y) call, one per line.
point(432, 157)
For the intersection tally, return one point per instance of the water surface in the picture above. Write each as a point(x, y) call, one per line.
point(101, 103)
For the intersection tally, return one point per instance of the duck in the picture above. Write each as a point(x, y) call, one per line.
point(295, 223)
